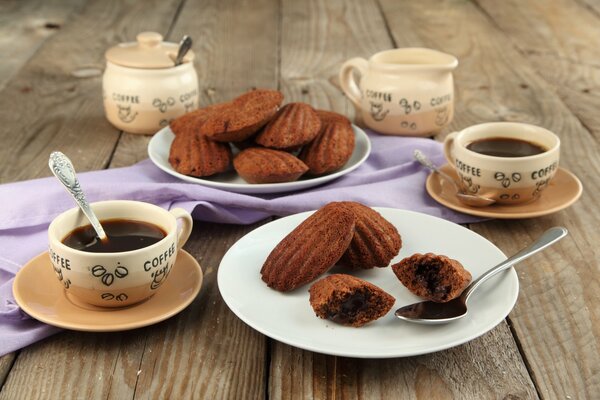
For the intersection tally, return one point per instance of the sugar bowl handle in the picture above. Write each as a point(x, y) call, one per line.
point(349, 85)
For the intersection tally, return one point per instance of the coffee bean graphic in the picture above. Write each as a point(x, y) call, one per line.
point(121, 272)
point(108, 279)
point(98, 270)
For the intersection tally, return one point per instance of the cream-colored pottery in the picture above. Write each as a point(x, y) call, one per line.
point(408, 92)
point(508, 180)
point(117, 279)
point(143, 89)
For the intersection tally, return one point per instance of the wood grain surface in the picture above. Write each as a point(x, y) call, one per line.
point(25, 25)
point(495, 82)
point(530, 61)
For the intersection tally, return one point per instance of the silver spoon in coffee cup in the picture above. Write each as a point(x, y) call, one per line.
point(431, 313)
point(62, 168)
point(473, 200)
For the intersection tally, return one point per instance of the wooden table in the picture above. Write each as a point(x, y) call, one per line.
point(531, 61)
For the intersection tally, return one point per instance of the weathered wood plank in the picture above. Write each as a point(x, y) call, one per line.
point(214, 355)
point(316, 38)
point(25, 25)
point(481, 369)
point(44, 107)
point(556, 318)
point(6, 363)
point(564, 53)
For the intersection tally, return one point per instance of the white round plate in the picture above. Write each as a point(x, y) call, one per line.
point(289, 318)
point(158, 150)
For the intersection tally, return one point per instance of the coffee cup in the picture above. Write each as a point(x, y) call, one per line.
point(407, 92)
point(509, 162)
point(117, 278)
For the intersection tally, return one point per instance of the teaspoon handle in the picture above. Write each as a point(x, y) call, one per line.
point(426, 162)
point(184, 46)
point(63, 169)
point(549, 237)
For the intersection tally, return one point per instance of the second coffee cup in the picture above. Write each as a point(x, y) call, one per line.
point(509, 162)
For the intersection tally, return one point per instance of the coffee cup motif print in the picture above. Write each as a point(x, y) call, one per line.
point(407, 92)
point(505, 177)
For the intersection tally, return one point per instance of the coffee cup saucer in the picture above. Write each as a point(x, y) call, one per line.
point(40, 295)
point(562, 191)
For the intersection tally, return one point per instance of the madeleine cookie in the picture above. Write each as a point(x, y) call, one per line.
point(330, 150)
point(195, 155)
point(433, 277)
point(375, 242)
point(310, 249)
point(242, 117)
point(348, 300)
point(295, 125)
point(260, 165)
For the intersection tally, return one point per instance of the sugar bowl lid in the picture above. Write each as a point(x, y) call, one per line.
point(147, 52)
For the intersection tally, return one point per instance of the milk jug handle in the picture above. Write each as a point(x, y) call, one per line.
point(448, 144)
point(349, 85)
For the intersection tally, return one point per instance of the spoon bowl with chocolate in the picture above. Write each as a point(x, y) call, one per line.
point(430, 312)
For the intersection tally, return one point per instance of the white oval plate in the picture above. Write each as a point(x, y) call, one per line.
point(289, 318)
point(158, 150)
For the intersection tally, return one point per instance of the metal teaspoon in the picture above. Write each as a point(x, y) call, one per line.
point(62, 168)
point(429, 312)
point(468, 199)
point(184, 47)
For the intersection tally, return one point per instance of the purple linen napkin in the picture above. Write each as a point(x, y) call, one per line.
point(389, 178)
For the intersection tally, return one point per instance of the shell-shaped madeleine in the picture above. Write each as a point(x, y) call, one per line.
point(310, 249)
point(243, 116)
point(195, 155)
point(260, 165)
point(330, 150)
point(375, 242)
point(294, 125)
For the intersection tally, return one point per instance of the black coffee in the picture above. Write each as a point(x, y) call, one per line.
point(505, 147)
point(123, 235)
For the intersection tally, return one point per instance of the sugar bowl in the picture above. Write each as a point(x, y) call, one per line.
point(143, 89)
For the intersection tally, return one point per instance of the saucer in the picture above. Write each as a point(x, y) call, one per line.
point(39, 294)
point(562, 191)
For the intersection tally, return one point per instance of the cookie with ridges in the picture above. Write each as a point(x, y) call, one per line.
point(191, 121)
point(311, 249)
point(375, 242)
point(348, 300)
point(433, 277)
point(295, 125)
point(243, 116)
point(261, 165)
point(193, 154)
point(330, 150)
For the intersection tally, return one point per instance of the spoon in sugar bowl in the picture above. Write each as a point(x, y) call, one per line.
point(431, 313)
point(62, 168)
point(473, 200)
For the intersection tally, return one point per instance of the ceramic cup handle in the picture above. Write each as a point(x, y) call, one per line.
point(186, 226)
point(349, 85)
point(448, 143)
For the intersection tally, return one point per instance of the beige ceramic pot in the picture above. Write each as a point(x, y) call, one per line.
point(143, 89)
point(408, 92)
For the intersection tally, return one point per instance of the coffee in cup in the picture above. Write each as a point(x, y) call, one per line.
point(509, 162)
point(143, 241)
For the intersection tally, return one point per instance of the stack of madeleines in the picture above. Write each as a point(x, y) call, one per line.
point(353, 235)
point(277, 144)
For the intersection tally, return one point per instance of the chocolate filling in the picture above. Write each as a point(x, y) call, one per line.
point(350, 308)
point(428, 275)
